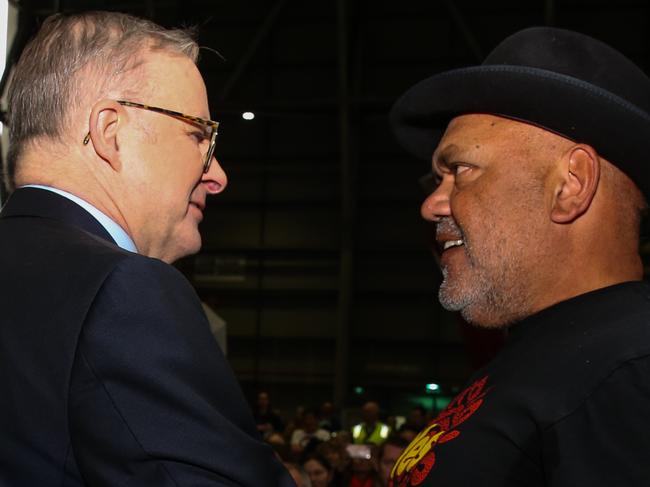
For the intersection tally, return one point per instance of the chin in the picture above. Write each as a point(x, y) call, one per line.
point(471, 311)
point(491, 319)
point(183, 247)
point(474, 318)
point(451, 298)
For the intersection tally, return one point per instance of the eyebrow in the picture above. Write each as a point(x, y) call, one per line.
point(443, 156)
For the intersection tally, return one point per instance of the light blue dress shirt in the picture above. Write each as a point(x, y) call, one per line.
point(116, 232)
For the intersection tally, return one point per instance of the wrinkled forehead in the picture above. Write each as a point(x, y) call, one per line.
point(467, 135)
point(479, 126)
point(473, 134)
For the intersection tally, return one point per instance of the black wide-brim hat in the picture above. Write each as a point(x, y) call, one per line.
point(563, 81)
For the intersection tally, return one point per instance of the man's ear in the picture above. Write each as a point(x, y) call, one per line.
point(579, 177)
point(104, 124)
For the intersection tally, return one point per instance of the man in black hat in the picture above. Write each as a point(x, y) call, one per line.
point(542, 182)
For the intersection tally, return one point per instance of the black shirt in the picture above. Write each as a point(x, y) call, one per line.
point(566, 403)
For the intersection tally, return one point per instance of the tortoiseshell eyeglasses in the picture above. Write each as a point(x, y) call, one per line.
point(209, 127)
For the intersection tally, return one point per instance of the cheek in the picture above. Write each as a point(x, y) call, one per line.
point(170, 206)
point(478, 194)
point(466, 213)
point(482, 205)
point(180, 161)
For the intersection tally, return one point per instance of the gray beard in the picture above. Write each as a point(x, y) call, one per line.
point(451, 297)
point(457, 295)
point(485, 291)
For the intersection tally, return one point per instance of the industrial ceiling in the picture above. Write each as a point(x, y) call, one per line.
point(316, 255)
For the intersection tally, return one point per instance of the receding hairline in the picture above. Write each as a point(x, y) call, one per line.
point(107, 73)
point(116, 26)
point(132, 81)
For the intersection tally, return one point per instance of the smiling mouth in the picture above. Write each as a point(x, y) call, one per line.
point(452, 243)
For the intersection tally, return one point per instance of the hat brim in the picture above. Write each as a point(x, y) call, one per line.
point(580, 111)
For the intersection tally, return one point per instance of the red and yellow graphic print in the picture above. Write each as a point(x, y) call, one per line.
point(414, 465)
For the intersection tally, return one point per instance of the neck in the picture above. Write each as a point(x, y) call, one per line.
point(70, 175)
point(594, 263)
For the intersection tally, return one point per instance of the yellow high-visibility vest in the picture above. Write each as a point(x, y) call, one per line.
point(377, 436)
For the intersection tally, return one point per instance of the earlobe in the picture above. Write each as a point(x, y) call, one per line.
point(104, 124)
point(580, 175)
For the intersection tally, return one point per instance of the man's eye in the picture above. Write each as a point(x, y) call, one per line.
point(198, 136)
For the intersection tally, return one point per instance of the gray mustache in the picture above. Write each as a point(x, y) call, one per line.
point(447, 227)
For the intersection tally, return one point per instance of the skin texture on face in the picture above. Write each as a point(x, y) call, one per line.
point(492, 206)
point(318, 474)
point(165, 189)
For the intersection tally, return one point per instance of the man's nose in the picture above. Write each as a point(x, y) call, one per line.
point(215, 180)
point(436, 205)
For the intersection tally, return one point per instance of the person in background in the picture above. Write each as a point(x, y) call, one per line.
point(417, 418)
point(321, 473)
point(415, 422)
point(296, 422)
point(407, 432)
point(280, 447)
point(336, 454)
point(329, 420)
point(370, 430)
point(387, 455)
point(309, 435)
point(362, 470)
point(267, 420)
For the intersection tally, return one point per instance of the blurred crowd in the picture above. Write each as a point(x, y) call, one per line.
point(320, 450)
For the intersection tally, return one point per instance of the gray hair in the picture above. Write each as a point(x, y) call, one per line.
point(47, 85)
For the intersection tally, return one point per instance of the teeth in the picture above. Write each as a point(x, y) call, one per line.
point(452, 243)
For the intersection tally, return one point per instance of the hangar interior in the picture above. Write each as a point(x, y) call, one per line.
point(316, 255)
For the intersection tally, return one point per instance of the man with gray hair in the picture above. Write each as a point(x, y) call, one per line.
point(110, 374)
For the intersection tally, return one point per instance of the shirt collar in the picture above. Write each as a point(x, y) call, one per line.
point(116, 232)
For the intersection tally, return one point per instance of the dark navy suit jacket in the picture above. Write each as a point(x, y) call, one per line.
point(108, 371)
